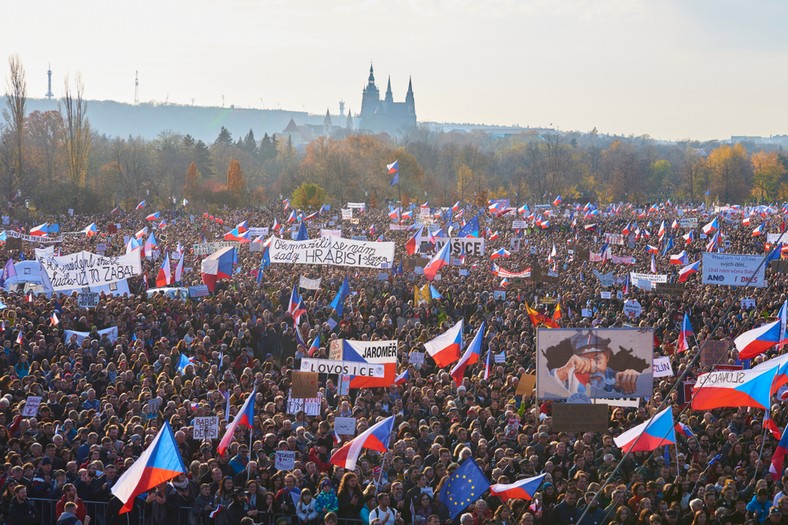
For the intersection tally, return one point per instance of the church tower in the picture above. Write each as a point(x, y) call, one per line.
point(389, 96)
point(370, 98)
point(327, 125)
point(410, 103)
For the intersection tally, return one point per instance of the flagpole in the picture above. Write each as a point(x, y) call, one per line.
point(760, 454)
point(678, 468)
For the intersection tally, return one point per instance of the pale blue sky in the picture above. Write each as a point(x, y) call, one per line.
point(668, 68)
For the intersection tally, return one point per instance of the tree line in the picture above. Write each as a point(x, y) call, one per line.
point(56, 160)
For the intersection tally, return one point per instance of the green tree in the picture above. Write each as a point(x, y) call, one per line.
point(308, 195)
point(225, 138)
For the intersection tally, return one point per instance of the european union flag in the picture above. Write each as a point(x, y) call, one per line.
point(463, 487)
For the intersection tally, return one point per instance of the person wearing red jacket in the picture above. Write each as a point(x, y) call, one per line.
point(318, 455)
point(70, 494)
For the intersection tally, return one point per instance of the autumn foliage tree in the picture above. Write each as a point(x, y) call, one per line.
point(236, 183)
point(309, 195)
point(192, 181)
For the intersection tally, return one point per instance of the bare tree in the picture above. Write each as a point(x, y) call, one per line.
point(15, 99)
point(77, 133)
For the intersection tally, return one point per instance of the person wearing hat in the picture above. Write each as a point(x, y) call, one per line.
point(237, 509)
point(588, 366)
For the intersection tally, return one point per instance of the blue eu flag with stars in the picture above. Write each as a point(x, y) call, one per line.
point(463, 487)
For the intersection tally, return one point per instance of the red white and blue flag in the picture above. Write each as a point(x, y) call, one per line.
point(522, 489)
point(686, 272)
point(153, 217)
point(650, 435)
point(471, 356)
point(684, 334)
point(160, 462)
point(778, 457)
point(739, 388)
point(402, 378)
point(164, 277)
point(684, 430)
point(756, 341)
point(680, 258)
point(375, 438)
point(445, 349)
point(141, 205)
point(503, 253)
point(438, 261)
point(712, 226)
point(244, 418)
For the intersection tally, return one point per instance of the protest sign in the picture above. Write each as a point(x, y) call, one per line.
point(632, 308)
point(112, 334)
point(208, 248)
point(713, 352)
point(284, 460)
point(500, 358)
point(526, 385)
point(499, 295)
point(662, 367)
point(519, 225)
point(330, 233)
point(604, 295)
point(309, 406)
point(84, 269)
point(472, 246)
point(49, 251)
point(304, 384)
point(88, 299)
point(347, 214)
point(200, 290)
point(747, 303)
point(345, 426)
point(353, 368)
point(669, 288)
point(605, 279)
point(261, 231)
point(733, 270)
point(31, 406)
point(309, 284)
point(416, 359)
point(334, 251)
point(11, 234)
point(205, 428)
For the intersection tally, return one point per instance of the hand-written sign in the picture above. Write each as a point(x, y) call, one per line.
point(334, 251)
point(713, 352)
point(304, 384)
point(345, 426)
point(284, 460)
point(568, 417)
point(88, 299)
point(205, 427)
point(83, 269)
point(31, 406)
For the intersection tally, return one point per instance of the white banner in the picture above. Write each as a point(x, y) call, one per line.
point(662, 367)
point(772, 238)
point(324, 232)
point(353, 368)
point(471, 245)
point(83, 269)
point(259, 231)
point(614, 238)
point(519, 225)
point(208, 248)
point(347, 214)
point(733, 270)
point(616, 259)
point(398, 227)
point(49, 251)
point(112, 334)
point(33, 238)
point(650, 277)
point(308, 405)
point(309, 284)
point(688, 222)
point(379, 352)
point(334, 251)
point(357, 206)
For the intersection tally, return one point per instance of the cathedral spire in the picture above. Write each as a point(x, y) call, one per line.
point(371, 80)
point(389, 95)
point(410, 86)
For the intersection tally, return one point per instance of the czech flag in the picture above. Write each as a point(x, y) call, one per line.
point(237, 235)
point(688, 270)
point(778, 457)
point(244, 417)
point(142, 233)
point(522, 489)
point(53, 319)
point(217, 266)
point(661, 231)
point(502, 253)
point(493, 236)
point(650, 435)
point(152, 217)
point(689, 237)
point(445, 349)
point(738, 388)
point(675, 224)
point(589, 227)
point(438, 261)
point(652, 249)
point(745, 221)
point(686, 331)
point(292, 217)
point(710, 227)
point(684, 430)
point(456, 207)
point(243, 226)
point(394, 214)
point(681, 258)
point(42, 230)
point(296, 305)
point(758, 231)
point(402, 378)
point(141, 205)
point(375, 437)
point(160, 462)
point(756, 341)
point(164, 277)
point(315, 346)
point(471, 356)
point(393, 167)
point(406, 215)
point(90, 230)
point(558, 200)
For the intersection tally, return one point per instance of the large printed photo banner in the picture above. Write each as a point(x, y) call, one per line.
point(334, 251)
point(733, 270)
point(83, 269)
point(583, 364)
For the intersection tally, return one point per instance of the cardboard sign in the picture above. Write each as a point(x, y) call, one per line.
point(31, 406)
point(713, 352)
point(335, 350)
point(88, 299)
point(662, 367)
point(568, 417)
point(284, 460)
point(205, 428)
point(669, 288)
point(526, 385)
point(345, 426)
point(304, 384)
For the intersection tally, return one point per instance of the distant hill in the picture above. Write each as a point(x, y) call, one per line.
point(148, 120)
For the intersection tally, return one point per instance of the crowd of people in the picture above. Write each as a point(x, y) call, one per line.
point(104, 400)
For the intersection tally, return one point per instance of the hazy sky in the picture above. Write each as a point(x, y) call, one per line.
point(668, 68)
